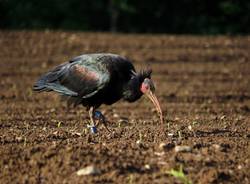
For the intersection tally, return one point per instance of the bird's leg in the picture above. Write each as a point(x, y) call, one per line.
point(92, 125)
point(96, 117)
point(91, 116)
point(101, 119)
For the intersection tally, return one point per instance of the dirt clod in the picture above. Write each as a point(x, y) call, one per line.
point(89, 170)
point(182, 149)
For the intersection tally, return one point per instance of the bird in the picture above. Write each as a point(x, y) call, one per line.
point(98, 78)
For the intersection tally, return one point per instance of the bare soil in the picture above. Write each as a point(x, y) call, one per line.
point(203, 85)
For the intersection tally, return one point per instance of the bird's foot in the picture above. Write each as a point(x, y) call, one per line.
point(93, 128)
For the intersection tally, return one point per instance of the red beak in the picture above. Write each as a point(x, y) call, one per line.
point(155, 101)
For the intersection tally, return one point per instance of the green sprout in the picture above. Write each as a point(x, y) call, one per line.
point(179, 174)
point(179, 134)
point(59, 124)
point(168, 125)
point(25, 141)
point(29, 92)
point(131, 179)
point(140, 136)
point(194, 123)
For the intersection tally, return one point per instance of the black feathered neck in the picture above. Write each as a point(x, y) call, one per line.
point(132, 90)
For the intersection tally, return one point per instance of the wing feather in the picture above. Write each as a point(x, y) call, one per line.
point(81, 77)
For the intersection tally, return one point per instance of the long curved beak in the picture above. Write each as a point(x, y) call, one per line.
point(156, 103)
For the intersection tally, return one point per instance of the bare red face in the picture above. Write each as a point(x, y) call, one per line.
point(147, 88)
point(147, 85)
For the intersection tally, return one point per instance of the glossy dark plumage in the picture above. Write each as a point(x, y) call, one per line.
point(94, 79)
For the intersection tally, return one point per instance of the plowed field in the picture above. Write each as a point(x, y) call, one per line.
point(203, 85)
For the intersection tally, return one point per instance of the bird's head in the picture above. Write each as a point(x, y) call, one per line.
point(148, 88)
point(142, 84)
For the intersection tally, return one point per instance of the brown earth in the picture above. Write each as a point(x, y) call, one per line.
point(203, 84)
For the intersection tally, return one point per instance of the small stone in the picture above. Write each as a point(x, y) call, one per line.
point(19, 138)
point(247, 161)
point(176, 118)
point(183, 149)
point(170, 134)
point(89, 170)
point(159, 153)
point(116, 115)
point(223, 117)
point(162, 145)
point(190, 127)
point(216, 146)
point(147, 166)
point(77, 133)
point(239, 167)
point(52, 110)
point(139, 143)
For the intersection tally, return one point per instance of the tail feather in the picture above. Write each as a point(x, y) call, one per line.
point(40, 85)
point(54, 87)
